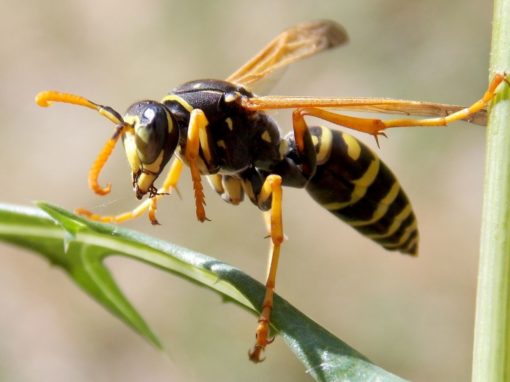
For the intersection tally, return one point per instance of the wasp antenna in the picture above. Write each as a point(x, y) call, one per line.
point(47, 97)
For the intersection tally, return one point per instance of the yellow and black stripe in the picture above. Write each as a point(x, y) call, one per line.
point(355, 185)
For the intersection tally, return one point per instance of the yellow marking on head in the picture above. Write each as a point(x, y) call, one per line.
point(382, 207)
point(131, 151)
point(229, 123)
point(326, 142)
point(132, 120)
point(146, 179)
point(266, 136)
point(353, 146)
point(155, 166)
point(143, 135)
point(360, 187)
point(179, 100)
point(397, 222)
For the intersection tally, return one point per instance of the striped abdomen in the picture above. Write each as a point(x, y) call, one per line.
point(355, 185)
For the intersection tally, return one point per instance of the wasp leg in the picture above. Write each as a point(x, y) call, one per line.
point(169, 184)
point(458, 115)
point(365, 125)
point(272, 188)
point(197, 138)
point(376, 127)
point(304, 145)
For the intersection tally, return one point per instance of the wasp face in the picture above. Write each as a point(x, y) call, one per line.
point(150, 144)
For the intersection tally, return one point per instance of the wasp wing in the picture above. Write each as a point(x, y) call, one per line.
point(297, 42)
point(376, 105)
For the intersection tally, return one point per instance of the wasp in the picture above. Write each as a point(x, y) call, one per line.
point(221, 130)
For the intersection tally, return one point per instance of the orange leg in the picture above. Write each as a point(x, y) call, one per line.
point(197, 138)
point(304, 143)
point(272, 188)
point(376, 127)
point(169, 184)
point(457, 116)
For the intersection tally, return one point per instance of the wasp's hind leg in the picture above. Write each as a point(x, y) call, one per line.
point(376, 127)
point(463, 114)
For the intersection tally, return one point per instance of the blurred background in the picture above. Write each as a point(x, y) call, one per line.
point(412, 316)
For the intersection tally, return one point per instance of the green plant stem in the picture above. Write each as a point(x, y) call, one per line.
point(491, 357)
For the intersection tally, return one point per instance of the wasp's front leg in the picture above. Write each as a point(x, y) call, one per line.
point(197, 138)
point(150, 204)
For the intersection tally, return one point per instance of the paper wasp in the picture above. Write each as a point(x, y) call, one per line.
point(220, 130)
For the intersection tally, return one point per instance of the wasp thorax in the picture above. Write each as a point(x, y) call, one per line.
point(150, 144)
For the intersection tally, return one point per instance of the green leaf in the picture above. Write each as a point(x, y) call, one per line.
point(80, 247)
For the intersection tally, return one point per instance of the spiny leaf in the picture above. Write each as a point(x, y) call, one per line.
point(80, 247)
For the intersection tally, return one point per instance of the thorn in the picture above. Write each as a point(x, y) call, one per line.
point(376, 137)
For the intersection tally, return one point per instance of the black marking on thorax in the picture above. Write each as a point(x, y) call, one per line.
point(238, 138)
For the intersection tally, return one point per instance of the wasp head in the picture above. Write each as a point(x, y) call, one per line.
point(150, 144)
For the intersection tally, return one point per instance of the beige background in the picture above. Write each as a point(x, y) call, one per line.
point(411, 316)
